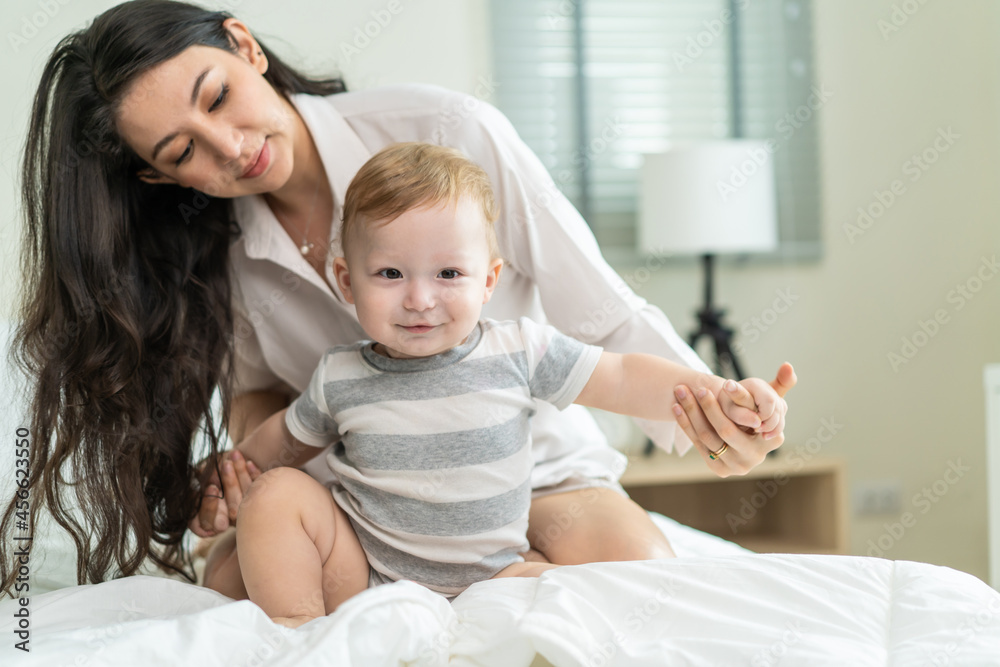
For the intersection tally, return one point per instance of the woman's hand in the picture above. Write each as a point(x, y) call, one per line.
point(218, 508)
point(709, 429)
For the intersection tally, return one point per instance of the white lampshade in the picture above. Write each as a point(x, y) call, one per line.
point(708, 198)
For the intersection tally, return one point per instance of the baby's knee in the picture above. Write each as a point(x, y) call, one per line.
point(278, 487)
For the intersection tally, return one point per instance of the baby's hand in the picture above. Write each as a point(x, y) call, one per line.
point(221, 498)
point(753, 403)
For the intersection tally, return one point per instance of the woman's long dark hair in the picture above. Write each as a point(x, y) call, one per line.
point(125, 322)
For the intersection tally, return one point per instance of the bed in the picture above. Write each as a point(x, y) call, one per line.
point(716, 604)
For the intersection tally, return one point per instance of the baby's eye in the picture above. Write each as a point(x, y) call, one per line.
point(449, 274)
point(391, 274)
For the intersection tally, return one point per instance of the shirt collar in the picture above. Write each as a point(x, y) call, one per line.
point(342, 153)
point(433, 362)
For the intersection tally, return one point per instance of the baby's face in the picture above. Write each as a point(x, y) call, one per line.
point(419, 282)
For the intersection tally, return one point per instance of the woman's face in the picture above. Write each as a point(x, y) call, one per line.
point(207, 119)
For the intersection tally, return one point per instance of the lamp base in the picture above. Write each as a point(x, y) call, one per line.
point(710, 325)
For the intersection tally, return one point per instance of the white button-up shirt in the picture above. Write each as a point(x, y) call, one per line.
point(288, 315)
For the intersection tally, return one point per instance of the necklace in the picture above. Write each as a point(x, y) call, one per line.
point(307, 246)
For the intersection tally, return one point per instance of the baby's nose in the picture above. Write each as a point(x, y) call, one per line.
point(420, 296)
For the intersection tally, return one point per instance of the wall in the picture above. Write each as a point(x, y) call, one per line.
point(916, 420)
point(372, 42)
point(892, 94)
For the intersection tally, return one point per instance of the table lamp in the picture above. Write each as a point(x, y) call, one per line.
point(708, 199)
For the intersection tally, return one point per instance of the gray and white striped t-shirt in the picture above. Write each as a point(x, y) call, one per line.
point(434, 455)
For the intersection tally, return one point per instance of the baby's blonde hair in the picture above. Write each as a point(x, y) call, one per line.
point(409, 175)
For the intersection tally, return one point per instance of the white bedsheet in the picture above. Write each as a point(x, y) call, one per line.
point(714, 605)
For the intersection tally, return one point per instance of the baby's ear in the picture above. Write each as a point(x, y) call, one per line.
point(492, 278)
point(343, 277)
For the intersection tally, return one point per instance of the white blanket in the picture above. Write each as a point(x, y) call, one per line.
point(714, 605)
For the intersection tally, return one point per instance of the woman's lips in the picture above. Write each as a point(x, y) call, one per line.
point(258, 167)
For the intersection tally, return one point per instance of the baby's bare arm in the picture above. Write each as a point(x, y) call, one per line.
point(640, 385)
point(272, 445)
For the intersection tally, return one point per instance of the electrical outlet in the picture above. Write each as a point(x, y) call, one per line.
point(880, 496)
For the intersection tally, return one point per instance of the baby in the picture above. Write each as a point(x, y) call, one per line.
point(431, 416)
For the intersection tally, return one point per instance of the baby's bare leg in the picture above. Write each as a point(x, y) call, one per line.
point(594, 525)
point(297, 550)
point(527, 569)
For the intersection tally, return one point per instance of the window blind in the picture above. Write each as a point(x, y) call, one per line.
point(650, 73)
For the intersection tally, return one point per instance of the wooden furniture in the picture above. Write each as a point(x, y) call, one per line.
point(791, 503)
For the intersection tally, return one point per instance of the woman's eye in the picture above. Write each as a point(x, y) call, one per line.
point(449, 274)
point(220, 99)
point(215, 105)
point(391, 274)
point(187, 150)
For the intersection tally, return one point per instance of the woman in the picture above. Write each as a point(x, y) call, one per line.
point(181, 186)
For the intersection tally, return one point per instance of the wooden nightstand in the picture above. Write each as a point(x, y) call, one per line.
point(785, 505)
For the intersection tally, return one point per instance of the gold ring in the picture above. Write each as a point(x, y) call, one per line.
point(716, 455)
